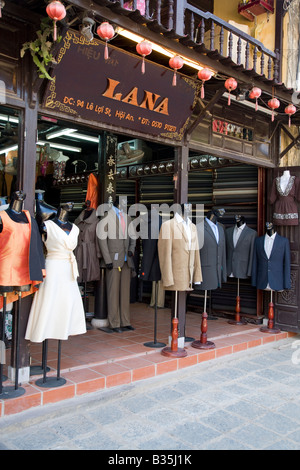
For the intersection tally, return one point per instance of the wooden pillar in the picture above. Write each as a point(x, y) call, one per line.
point(26, 182)
point(107, 164)
point(180, 197)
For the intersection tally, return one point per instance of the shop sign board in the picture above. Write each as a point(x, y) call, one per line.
point(116, 92)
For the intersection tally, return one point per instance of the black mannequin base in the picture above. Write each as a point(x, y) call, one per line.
point(50, 382)
point(38, 370)
point(11, 392)
point(154, 344)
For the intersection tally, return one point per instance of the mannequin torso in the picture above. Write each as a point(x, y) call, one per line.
point(284, 179)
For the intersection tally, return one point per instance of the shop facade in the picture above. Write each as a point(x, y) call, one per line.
point(141, 137)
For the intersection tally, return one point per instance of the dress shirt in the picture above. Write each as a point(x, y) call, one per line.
point(186, 225)
point(187, 228)
point(214, 229)
point(268, 245)
point(237, 233)
point(117, 211)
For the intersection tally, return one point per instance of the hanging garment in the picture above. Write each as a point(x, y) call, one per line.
point(272, 269)
point(150, 270)
point(178, 252)
point(21, 255)
point(92, 191)
point(87, 251)
point(57, 309)
point(285, 209)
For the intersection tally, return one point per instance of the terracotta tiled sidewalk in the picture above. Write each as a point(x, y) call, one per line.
point(98, 360)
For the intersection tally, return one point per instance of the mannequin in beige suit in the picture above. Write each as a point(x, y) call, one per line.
point(117, 249)
point(178, 252)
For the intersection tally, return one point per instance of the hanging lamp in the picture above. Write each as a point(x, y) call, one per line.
point(204, 75)
point(56, 11)
point(290, 110)
point(144, 48)
point(175, 63)
point(254, 95)
point(230, 85)
point(274, 103)
point(106, 32)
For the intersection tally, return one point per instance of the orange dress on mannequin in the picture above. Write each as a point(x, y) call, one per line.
point(14, 252)
point(14, 256)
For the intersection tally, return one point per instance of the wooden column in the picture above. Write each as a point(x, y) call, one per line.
point(107, 164)
point(180, 197)
point(26, 182)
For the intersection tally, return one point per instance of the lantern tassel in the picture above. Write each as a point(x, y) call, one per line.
point(106, 51)
point(174, 82)
point(54, 31)
point(272, 115)
point(289, 121)
point(256, 105)
point(229, 99)
point(143, 64)
point(202, 91)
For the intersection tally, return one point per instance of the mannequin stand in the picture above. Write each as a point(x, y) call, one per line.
point(155, 344)
point(13, 391)
point(3, 378)
point(174, 351)
point(238, 320)
point(203, 343)
point(50, 382)
point(270, 328)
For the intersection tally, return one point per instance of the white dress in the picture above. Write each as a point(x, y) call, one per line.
point(57, 309)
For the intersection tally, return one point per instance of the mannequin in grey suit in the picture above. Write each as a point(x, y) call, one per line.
point(239, 248)
point(117, 251)
point(213, 253)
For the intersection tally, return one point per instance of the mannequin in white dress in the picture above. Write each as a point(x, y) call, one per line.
point(57, 309)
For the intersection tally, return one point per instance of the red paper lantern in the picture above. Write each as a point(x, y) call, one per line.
point(144, 48)
point(290, 109)
point(204, 75)
point(254, 94)
point(230, 85)
point(56, 11)
point(175, 63)
point(274, 103)
point(106, 32)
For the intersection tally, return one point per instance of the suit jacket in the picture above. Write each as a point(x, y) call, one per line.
point(114, 247)
point(239, 258)
point(213, 259)
point(87, 251)
point(150, 269)
point(180, 264)
point(275, 271)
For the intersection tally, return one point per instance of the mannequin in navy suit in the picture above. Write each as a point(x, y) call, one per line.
point(271, 268)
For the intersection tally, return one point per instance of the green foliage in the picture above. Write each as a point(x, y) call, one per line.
point(40, 49)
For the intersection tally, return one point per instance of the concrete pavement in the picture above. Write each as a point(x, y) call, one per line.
point(246, 401)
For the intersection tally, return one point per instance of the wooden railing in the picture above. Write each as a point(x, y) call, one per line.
point(204, 32)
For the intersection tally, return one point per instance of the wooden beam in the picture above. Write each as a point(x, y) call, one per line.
point(217, 96)
point(288, 148)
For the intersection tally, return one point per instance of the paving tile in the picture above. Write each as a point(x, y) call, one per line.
point(254, 436)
